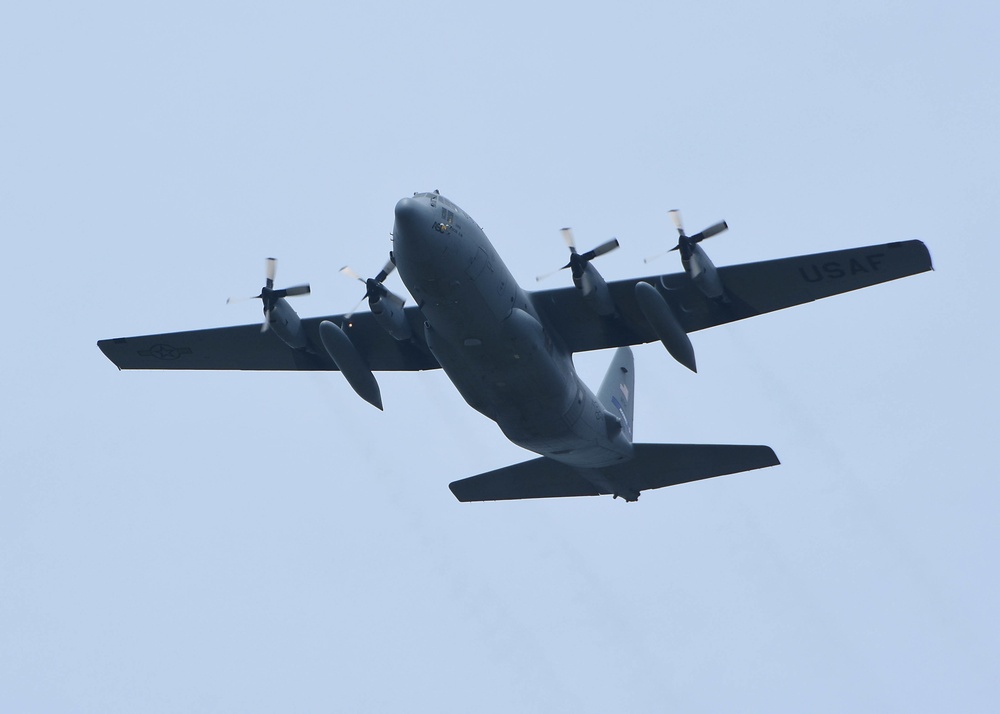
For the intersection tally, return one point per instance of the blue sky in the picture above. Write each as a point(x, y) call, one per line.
point(206, 542)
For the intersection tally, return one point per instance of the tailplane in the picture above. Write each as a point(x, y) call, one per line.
point(653, 466)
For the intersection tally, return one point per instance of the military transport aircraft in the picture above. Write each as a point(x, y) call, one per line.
point(509, 352)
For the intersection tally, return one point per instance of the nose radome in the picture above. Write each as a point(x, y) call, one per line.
point(409, 212)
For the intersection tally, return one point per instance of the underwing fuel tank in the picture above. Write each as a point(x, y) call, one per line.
point(665, 324)
point(350, 362)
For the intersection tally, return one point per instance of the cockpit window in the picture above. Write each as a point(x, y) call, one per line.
point(448, 209)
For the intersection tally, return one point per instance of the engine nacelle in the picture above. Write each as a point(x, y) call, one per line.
point(595, 292)
point(704, 274)
point(286, 324)
point(389, 314)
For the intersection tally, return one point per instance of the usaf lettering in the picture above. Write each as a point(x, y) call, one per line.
point(837, 269)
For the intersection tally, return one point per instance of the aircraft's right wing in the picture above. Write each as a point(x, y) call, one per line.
point(751, 289)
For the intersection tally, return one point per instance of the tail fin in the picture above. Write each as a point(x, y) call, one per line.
point(618, 388)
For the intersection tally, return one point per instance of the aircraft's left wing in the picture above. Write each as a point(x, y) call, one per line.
point(244, 347)
point(751, 289)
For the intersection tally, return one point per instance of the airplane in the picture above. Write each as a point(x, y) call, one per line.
point(509, 351)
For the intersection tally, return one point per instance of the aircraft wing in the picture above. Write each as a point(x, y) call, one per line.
point(244, 347)
point(751, 289)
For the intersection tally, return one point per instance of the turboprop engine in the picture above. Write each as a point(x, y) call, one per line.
point(588, 281)
point(696, 262)
point(386, 306)
point(279, 316)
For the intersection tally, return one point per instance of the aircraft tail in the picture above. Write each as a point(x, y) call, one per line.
point(618, 388)
point(653, 466)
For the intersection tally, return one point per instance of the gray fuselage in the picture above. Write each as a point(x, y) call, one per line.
point(486, 335)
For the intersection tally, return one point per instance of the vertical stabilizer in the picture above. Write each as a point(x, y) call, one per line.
point(618, 388)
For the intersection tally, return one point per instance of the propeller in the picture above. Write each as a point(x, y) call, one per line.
point(374, 289)
point(684, 241)
point(578, 261)
point(269, 296)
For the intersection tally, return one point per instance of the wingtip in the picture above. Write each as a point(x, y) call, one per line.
point(774, 457)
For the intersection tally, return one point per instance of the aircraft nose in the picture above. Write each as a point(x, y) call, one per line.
point(410, 214)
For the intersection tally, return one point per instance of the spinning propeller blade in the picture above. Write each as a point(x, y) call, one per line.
point(271, 267)
point(712, 230)
point(567, 235)
point(675, 216)
point(303, 289)
point(349, 272)
point(603, 248)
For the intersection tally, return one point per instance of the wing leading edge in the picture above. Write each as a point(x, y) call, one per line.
point(751, 289)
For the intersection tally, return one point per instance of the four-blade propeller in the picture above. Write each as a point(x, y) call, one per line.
point(684, 241)
point(578, 261)
point(269, 296)
point(374, 289)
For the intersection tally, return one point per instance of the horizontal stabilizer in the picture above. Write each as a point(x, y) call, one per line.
point(654, 466)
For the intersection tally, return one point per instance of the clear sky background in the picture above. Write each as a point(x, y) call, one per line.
point(269, 542)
